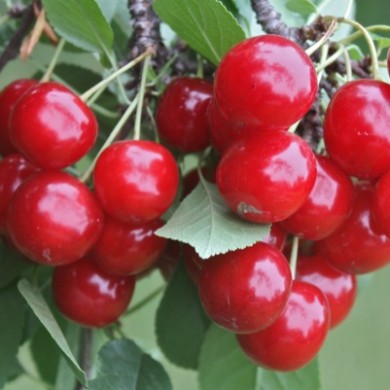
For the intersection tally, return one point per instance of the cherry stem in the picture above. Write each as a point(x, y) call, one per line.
point(144, 301)
point(53, 62)
point(370, 43)
point(104, 83)
point(309, 51)
point(294, 256)
point(348, 65)
point(324, 54)
point(114, 133)
point(357, 34)
point(141, 95)
point(329, 60)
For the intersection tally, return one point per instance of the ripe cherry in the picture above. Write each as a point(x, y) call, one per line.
point(245, 290)
point(14, 169)
point(338, 287)
point(181, 115)
point(169, 259)
point(52, 127)
point(357, 247)
point(295, 338)
point(356, 128)
point(276, 237)
point(8, 98)
point(136, 181)
point(266, 81)
point(328, 205)
point(127, 249)
point(267, 177)
point(88, 295)
point(53, 218)
point(381, 203)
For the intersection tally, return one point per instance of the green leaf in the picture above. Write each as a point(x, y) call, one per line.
point(34, 298)
point(206, 25)
point(381, 41)
point(307, 378)
point(223, 365)
point(303, 7)
point(214, 229)
point(122, 365)
point(12, 310)
point(12, 264)
point(355, 52)
point(180, 321)
point(82, 23)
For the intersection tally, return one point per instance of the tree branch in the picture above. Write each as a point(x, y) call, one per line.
point(11, 51)
point(271, 22)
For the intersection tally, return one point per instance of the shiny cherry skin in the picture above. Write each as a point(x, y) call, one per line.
point(181, 114)
point(267, 81)
point(52, 127)
point(53, 218)
point(88, 295)
point(267, 177)
point(328, 205)
point(245, 290)
point(8, 98)
point(295, 338)
point(124, 248)
point(381, 203)
point(136, 181)
point(356, 128)
point(224, 132)
point(339, 287)
point(357, 246)
point(14, 169)
point(276, 237)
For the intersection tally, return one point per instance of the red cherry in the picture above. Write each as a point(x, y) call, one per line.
point(53, 218)
point(266, 81)
point(356, 128)
point(357, 247)
point(136, 181)
point(295, 338)
point(14, 169)
point(181, 115)
point(193, 263)
point(381, 203)
point(52, 127)
point(245, 290)
point(338, 287)
point(276, 237)
point(267, 177)
point(89, 296)
point(127, 249)
point(8, 98)
point(328, 205)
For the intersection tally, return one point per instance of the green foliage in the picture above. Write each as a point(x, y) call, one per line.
point(11, 331)
point(307, 378)
point(122, 365)
point(35, 300)
point(80, 22)
point(222, 365)
point(180, 321)
point(214, 229)
point(206, 25)
point(303, 7)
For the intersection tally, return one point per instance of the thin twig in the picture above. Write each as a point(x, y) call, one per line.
point(11, 51)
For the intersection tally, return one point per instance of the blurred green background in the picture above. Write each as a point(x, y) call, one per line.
point(356, 355)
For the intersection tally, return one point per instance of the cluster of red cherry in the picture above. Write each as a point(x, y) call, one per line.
point(97, 241)
point(267, 174)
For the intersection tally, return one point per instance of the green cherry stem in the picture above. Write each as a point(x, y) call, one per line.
point(53, 62)
point(370, 43)
point(324, 55)
point(329, 60)
point(332, 27)
point(357, 34)
point(104, 83)
point(111, 138)
point(144, 301)
point(141, 95)
point(348, 65)
point(294, 256)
